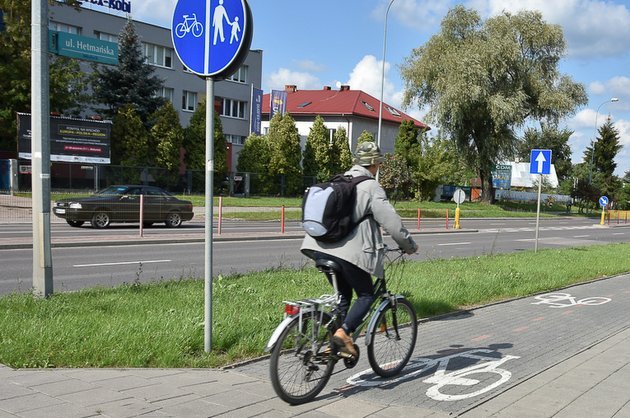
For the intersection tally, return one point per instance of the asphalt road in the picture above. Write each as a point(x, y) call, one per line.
point(109, 264)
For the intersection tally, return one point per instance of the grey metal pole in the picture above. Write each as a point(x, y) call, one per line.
point(40, 150)
point(208, 212)
point(540, 180)
point(380, 106)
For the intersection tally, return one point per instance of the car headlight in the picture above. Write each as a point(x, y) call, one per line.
point(75, 206)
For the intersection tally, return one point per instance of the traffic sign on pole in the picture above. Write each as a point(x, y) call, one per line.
point(540, 161)
point(603, 201)
point(212, 37)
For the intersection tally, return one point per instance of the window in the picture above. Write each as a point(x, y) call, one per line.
point(62, 27)
point(393, 111)
point(167, 93)
point(189, 100)
point(158, 55)
point(367, 106)
point(235, 139)
point(233, 108)
point(240, 75)
point(103, 36)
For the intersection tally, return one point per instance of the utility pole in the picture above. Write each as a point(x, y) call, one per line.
point(40, 150)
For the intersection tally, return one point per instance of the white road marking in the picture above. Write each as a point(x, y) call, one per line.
point(455, 243)
point(122, 263)
point(581, 236)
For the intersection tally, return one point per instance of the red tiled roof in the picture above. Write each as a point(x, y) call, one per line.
point(339, 102)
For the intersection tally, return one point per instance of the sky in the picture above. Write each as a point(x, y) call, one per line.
point(333, 42)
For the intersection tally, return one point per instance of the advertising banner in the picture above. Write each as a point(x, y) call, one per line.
point(257, 95)
point(278, 102)
point(71, 140)
point(502, 176)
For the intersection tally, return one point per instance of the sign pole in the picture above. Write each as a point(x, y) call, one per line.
point(209, 207)
point(40, 149)
point(540, 180)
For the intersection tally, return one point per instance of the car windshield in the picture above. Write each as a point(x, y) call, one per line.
point(112, 190)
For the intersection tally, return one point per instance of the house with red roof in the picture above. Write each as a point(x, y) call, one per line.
point(354, 110)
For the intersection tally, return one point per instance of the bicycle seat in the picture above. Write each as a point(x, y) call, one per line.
point(327, 266)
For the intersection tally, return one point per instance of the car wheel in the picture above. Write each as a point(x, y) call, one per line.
point(76, 224)
point(100, 220)
point(173, 220)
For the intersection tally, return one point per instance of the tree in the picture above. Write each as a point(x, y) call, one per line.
point(130, 139)
point(341, 156)
point(482, 80)
point(439, 163)
point(286, 154)
point(395, 176)
point(167, 138)
point(407, 143)
point(548, 137)
point(606, 148)
point(195, 142)
point(67, 82)
point(365, 136)
point(254, 158)
point(130, 83)
point(317, 155)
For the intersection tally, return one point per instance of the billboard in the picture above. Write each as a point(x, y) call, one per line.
point(71, 140)
point(278, 102)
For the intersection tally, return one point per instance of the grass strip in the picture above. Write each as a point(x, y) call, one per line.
point(161, 324)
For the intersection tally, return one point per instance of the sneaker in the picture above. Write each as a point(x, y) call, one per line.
point(345, 342)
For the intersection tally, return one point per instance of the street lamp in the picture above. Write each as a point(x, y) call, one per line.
point(590, 175)
point(380, 108)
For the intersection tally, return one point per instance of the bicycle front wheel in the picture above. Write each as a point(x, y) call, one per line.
point(393, 338)
point(301, 361)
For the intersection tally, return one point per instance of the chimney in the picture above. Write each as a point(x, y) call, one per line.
point(326, 87)
point(344, 87)
point(290, 88)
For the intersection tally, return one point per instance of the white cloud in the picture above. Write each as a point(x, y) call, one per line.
point(424, 15)
point(366, 76)
point(311, 66)
point(591, 27)
point(303, 80)
point(597, 87)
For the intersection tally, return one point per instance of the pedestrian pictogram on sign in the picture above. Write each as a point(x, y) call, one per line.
point(540, 161)
point(212, 37)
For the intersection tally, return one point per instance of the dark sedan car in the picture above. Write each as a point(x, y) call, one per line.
point(122, 204)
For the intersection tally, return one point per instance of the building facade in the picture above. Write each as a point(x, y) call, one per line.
point(182, 87)
point(354, 110)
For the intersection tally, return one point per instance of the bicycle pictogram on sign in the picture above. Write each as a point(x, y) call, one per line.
point(189, 25)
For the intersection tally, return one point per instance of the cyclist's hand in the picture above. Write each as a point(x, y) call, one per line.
point(413, 249)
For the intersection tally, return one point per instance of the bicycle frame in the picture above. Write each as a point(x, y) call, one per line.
point(382, 297)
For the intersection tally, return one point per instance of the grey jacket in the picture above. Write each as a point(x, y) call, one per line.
point(363, 247)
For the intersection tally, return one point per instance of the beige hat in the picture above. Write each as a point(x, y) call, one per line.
point(367, 153)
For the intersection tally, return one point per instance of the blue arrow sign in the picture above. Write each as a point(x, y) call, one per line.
point(211, 37)
point(603, 201)
point(540, 161)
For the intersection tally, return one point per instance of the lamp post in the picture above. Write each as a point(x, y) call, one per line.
point(380, 107)
point(590, 175)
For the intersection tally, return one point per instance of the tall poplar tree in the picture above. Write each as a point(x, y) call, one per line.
point(286, 153)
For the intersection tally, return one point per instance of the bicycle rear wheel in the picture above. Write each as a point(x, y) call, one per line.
point(300, 364)
point(393, 338)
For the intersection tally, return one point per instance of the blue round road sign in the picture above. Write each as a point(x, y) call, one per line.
point(212, 37)
point(603, 201)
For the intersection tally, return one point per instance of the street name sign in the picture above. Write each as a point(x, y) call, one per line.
point(540, 161)
point(82, 47)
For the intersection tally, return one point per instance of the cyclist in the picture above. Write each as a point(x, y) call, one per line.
point(361, 253)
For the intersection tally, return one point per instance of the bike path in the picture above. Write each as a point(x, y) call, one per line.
point(548, 359)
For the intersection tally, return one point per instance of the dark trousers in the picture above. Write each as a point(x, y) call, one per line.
point(352, 278)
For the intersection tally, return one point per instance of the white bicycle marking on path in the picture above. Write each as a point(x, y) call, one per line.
point(441, 378)
point(564, 300)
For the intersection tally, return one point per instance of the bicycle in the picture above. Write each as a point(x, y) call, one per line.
point(190, 24)
point(303, 354)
